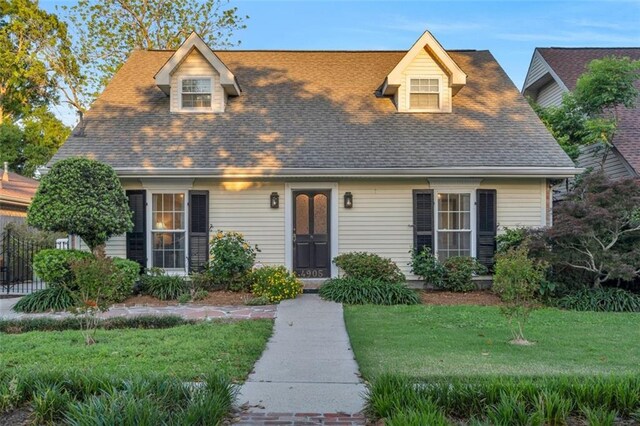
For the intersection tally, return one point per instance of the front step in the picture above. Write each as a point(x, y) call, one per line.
point(311, 285)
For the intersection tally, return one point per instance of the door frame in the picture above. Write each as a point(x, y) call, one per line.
point(333, 219)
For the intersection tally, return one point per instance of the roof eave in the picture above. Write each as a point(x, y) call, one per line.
point(235, 173)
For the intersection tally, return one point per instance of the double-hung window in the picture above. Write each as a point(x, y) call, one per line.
point(424, 94)
point(454, 225)
point(196, 93)
point(168, 230)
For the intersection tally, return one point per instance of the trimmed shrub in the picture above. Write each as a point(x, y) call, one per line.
point(360, 292)
point(424, 264)
point(275, 283)
point(54, 265)
point(511, 238)
point(459, 273)
point(127, 273)
point(57, 298)
point(605, 299)
point(369, 266)
point(26, 325)
point(203, 281)
point(231, 259)
point(164, 287)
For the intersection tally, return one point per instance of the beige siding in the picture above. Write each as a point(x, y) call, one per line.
point(196, 65)
point(614, 165)
point(537, 69)
point(244, 207)
point(424, 65)
point(550, 94)
point(521, 202)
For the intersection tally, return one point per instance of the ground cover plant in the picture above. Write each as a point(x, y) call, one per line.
point(354, 291)
point(185, 351)
point(601, 300)
point(275, 283)
point(24, 325)
point(427, 341)
point(77, 398)
point(502, 400)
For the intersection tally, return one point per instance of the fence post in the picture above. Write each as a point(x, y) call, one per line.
point(6, 259)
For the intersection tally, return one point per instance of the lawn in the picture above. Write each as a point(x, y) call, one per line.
point(426, 341)
point(230, 348)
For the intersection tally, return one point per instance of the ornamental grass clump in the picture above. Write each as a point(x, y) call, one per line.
point(231, 259)
point(275, 283)
point(367, 291)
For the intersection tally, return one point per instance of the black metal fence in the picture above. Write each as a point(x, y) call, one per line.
point(16, 265)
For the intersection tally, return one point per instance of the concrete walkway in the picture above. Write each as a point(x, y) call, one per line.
point(308, 366)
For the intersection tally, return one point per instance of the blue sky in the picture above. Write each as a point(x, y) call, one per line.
point(509, 29)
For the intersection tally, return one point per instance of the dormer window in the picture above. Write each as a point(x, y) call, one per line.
point(424, 94)
point(196, 93)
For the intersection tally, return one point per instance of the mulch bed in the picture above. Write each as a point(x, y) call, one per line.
point(17, 417)
point(214, 298)
point(447, 298)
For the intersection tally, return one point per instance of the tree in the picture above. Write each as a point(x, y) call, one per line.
point(30, 39)
point(597, 228)
point(108, 30)
point(81, 197)
point(590, 114)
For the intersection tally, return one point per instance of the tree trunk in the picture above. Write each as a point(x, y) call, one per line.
point(99, 251)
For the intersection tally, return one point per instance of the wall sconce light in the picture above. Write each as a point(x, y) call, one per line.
point(274, 201)
point(348, 200)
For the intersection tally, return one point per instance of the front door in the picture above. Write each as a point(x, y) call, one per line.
point(311, 252)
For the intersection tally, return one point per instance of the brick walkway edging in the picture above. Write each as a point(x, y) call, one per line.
point(326, 419)
point(187, 311)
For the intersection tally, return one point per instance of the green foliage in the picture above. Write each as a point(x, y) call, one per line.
point(107, 31)
point(126, 274)
point(258, 301)
point(605, 299)
point(429, 416)
point(599, 416)
point(164, 287)
point(17, 326)
point(499, 400)
point(200, 295)
point(275, 283)
point(203, 281)
point(511, 238)
point(184, 298)
point(459, 271)
point(589, 114)
point(426, 265)
point(57, 299)
point(231, 259)
point(85, 398)
point(516, 280)
point(364, 266)
point(358, 292)
point(82, 197)
point(54, 265)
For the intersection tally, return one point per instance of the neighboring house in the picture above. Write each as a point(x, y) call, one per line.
point(16, 192)
point(315, 153)
point(554, 71)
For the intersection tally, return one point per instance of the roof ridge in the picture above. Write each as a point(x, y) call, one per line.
point(587, 48)
point(313, 51)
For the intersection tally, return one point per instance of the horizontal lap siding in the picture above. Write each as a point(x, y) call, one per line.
point(536, 70)
point(248, 211)
point(424, 65)
point(521, 202)
point(550, 95)
point(380, 220)
point(196, 65)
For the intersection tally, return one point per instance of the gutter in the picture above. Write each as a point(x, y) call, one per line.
point(256, 172)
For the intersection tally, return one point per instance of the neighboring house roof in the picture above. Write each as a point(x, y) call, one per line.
point(313, 112)
point(568, 64)
point(16, 189)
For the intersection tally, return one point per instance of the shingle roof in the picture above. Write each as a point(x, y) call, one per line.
point(17, 188)
point(570, 63)
point(314, 110)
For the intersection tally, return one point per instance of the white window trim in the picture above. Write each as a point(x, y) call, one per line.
point(441, 94)
point(196, 77)
point(149, 236)
point(288, 220)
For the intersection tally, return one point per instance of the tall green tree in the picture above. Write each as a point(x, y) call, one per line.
point(31, 40)
point(590, 113)
point(108, 30)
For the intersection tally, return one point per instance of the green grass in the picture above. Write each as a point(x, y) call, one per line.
point(424, 341)
point(186, 352)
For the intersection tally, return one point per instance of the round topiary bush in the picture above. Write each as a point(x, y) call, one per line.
point(81, 197)
point(363, 266)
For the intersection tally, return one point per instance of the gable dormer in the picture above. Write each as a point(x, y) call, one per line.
point(426, 78)
point(195, 79)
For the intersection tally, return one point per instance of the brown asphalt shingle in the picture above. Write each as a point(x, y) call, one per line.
point(570, 63)
point(305, 110)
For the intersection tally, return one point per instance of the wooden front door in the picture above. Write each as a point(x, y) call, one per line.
point(311, 243)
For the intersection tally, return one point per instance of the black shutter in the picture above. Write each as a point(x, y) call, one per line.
point(136, 239)
point(198, 230)
point(422, 219)
point(487, 226)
